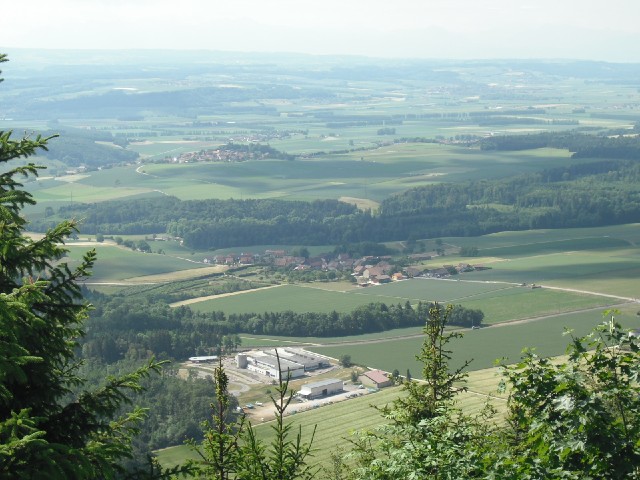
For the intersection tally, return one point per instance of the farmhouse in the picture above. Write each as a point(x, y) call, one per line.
point(375, 378)
point(380, 279)
point(246, 259)
point(413, 272)
point(323, 388)
point(464, 267)
point(372, 272)
point(439, 273)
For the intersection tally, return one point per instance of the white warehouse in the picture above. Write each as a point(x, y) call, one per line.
point(294, 362)
point(265, 364)
point(323, 388)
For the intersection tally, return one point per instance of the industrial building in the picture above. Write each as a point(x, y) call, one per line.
point(309, 360)
point(293, 362)
point(265, 364)
point(207, 359)
point(321, 389)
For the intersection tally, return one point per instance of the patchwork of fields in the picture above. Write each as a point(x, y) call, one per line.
point(372, 175)
point(435, 120)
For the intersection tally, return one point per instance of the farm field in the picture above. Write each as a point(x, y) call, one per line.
point(484, 346)
point(500, 302)
point(371, 175)
point(251, 341)
point(533, 241)
point(117, 264)
point(607, 271)
point(285, 297)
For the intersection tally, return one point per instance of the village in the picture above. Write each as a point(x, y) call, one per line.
point(368, 270)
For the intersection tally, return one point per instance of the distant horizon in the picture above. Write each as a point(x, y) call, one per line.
point(86, 52)
point(406, 29)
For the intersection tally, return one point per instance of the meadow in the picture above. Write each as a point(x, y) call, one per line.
point(119, 264)
point(547, 241)
point(286, 297)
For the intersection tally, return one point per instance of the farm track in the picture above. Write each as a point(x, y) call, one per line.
point(586, 292)
point(220, 295)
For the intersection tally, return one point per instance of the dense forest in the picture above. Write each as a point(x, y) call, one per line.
point(598, 193)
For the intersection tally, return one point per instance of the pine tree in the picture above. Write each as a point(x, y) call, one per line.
point(231, 449)
point(48, 429)
point(218, 454)
point(427, 436)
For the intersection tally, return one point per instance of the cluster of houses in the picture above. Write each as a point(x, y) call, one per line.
point(218, 155)
point(366, 270)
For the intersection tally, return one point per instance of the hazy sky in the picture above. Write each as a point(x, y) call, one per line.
point(603, 30)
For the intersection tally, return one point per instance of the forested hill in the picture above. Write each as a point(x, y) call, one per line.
point(591, 194)
point(600, 193)
point(219, 223)
point(91, 148)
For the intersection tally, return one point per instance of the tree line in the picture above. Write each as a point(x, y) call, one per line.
point(137, 328)
point(605, 192)
point(620, 146)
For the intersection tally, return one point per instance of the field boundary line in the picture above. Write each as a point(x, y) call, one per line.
point(219, 295)
point(587, 292)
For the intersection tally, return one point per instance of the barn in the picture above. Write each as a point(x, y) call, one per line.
point(375, 379)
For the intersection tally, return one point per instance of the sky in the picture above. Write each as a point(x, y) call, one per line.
point(458, 29)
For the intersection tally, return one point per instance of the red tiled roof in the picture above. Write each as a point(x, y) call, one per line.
point(378, 376)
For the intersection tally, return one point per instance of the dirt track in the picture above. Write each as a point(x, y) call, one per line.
point(220, 295)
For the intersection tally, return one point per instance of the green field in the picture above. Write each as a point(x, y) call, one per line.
point(483, 346)
point(116, 264)
point(500, 302)
point(286, 297)
point(533, 240)
point(426, 289)
point(608, 271)
point(554, 246)
point(373, 174)
point(250, 341)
